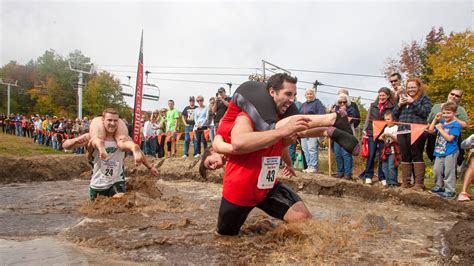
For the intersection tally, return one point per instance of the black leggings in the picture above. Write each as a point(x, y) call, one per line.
point(411, 153)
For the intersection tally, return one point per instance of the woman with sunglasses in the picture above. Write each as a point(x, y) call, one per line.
point(413, 107)
point(382, 104)
point(345, 162)
point(200, 117)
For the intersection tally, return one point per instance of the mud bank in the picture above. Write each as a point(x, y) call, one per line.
point(42, 168)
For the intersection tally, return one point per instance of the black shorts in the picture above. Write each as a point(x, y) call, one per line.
point(276, 204)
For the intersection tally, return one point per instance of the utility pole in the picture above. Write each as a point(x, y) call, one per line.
point(8, 82)
point(315, 86)
point(81, 69)
point(230, 88)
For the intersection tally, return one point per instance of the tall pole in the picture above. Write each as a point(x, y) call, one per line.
point(8, 99)
point(79, 94)
point(9, 83)
point(81, 69)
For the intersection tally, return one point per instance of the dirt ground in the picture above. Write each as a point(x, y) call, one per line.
point(162, 221)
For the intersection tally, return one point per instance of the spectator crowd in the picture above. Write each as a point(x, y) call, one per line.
point(392, 156)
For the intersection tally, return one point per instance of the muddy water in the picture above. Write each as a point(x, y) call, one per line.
point(177, 225)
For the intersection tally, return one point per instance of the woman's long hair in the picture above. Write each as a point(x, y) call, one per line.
point(421, 88)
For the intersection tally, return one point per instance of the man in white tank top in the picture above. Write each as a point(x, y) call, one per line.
point(107, 175)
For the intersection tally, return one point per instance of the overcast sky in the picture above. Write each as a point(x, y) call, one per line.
point(335, 36)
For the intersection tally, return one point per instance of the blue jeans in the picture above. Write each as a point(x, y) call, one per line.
point(40, 138)
point(18, 130)
point(310, 149)
point(374, 146)
point(199, 136)
point(292, 150)
point(187, 139)
point(212, 133)
point(54, 139)
point(344, 161)
point(389, 170)
point(150, 146)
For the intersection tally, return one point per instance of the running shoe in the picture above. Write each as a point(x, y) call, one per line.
point(447, 195)
point(463, 196)
point(437, 190)
point(368, 180)
point(384, 183)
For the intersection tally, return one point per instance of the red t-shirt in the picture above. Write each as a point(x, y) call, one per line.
point(242, 171)
point(227, 121)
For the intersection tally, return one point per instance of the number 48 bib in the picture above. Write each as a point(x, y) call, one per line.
point(268, 172)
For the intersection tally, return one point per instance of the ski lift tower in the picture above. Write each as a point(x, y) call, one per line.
point(272, 68)
point(8, 82)
point(81, 69)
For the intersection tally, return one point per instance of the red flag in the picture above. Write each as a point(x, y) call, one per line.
point(416, 131)
point(137, 107)
point(206, 134)
point(377, 126)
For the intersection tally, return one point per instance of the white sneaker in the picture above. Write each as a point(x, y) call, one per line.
point(368, 180)
point(184, 156)
point(310, 170)
point(384, 182)
point(197, 155)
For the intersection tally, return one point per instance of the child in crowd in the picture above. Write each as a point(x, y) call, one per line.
point(469, 175)
point(390, 154)
point(446, 150)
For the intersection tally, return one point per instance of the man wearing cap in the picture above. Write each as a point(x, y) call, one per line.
point(188, 120)
point(222, 102)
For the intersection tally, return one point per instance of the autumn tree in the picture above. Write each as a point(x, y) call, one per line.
point(412, 59)
point(451, 67)
point(104, 91)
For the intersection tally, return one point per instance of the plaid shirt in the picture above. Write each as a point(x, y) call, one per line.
point(416, 112)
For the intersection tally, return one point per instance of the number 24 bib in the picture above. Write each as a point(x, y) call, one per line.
point(110, 169)
point(268, 172)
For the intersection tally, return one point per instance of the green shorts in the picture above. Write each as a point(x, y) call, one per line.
point(118, 187)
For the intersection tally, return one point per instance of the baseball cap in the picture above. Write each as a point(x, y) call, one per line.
point(191, 98)
point(221, 89)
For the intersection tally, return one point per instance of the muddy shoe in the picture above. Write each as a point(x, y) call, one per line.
point(447, 195)
point(436, 190)
point(342, 122)
point(347, 141)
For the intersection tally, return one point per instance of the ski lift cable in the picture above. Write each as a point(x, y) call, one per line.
point(191, 81)
point(333, 93)
point(237, 84)
point(340, 87)
point(259, 69)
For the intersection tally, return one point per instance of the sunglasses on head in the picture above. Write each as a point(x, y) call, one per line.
point(454, 94)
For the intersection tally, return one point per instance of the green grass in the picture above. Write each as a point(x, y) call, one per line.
point(20, 146)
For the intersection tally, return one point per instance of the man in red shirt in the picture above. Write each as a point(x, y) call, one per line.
point(256, 185)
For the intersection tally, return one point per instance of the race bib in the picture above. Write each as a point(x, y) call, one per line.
point(268, 172)
point(110, 169)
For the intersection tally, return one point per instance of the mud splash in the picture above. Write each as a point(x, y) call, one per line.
point(173, 221)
